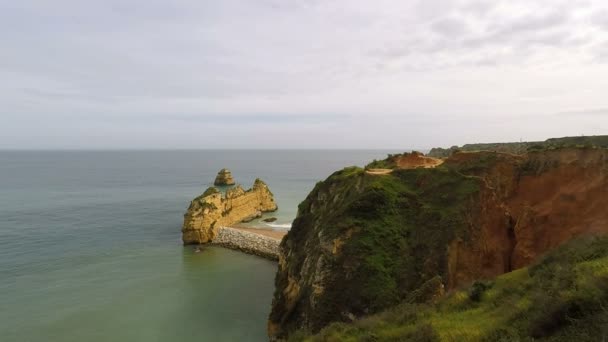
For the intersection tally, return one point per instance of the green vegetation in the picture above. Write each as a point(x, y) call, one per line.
point(582, 141)
point(523, 147)
point(388, 163)
point(403, 223)
point(364, 243)
point(397, 227)
point(563, 297)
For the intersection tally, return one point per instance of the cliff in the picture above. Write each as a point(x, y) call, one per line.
point(562, 297)
point(210, 211)
point(362, 242)
point(524, 147)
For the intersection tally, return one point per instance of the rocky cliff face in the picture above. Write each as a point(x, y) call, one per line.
point(363, 242)
point(210, 211)
point(224, 177)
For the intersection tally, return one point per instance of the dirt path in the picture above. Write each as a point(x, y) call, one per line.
point(412, 160)
point(379, 171)
point(416, 160)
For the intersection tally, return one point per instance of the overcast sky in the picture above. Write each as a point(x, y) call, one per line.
point(299, 73)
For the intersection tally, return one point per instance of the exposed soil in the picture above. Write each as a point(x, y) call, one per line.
point(412, 160)
point(379, 171)
point(415, 160)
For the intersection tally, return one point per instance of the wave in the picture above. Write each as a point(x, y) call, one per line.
point(279, 225)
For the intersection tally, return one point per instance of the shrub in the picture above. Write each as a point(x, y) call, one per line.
point(477, 289)
point(557, 312)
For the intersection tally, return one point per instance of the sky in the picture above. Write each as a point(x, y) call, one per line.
point(139, 74)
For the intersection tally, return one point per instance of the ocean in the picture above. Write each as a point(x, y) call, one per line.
point(90, 246)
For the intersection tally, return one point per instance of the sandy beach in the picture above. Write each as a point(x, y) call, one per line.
point(276, 234)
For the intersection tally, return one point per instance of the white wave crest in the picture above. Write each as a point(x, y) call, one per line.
point(279, 226)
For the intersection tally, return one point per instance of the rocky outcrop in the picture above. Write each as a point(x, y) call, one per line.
point(415, 160)
point(362, 242)
point(210, 211)
point(224, 177)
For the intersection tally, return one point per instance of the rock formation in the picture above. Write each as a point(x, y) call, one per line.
point(362, 242)
point(210, 211)
point(224, 177)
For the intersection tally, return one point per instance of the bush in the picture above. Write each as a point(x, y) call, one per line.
point(556, 313)
point(477, 289)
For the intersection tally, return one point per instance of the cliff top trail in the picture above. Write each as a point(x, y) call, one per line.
point(378, 171)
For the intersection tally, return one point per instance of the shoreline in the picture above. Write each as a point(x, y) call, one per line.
point(257, 241)
point(269, 232)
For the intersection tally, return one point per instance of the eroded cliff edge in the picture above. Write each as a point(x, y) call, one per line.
point(363, 242)
point(211, 211)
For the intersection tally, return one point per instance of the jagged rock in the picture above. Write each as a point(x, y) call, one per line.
point(270, 219)
point(210, 211)
point(224, 177)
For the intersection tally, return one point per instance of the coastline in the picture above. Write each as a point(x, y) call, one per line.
point(262, 242)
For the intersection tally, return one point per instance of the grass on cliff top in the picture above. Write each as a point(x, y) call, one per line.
point(563, 297)
point(598, 141)
point(398, 226)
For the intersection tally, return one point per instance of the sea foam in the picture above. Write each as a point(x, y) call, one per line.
point(279, 226)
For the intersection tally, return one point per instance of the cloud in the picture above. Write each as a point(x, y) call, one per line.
point(491, 34)
point(449, 27)
point(600, 18)
point(149, 65)
point(585, 112)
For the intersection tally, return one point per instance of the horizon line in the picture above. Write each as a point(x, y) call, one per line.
point(201, 149)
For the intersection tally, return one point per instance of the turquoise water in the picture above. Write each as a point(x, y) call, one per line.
point(90, 244)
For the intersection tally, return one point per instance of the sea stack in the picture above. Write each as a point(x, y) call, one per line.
point(224, 177)
point(211, 211)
